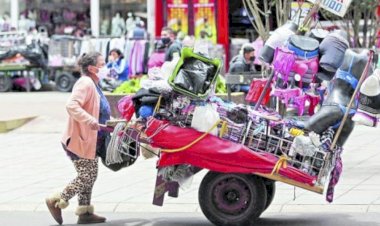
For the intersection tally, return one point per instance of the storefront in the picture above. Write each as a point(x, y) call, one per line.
point(220, 20)
point(75, 17)
point(5, 15)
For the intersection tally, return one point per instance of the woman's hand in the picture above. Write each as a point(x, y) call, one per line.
point(111, 59)
point(94, 125)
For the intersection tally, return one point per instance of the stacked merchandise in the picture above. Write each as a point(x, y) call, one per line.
point(296, 66)
point(188, 105)
point(299, 62)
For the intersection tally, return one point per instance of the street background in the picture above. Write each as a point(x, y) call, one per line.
point(33, 166)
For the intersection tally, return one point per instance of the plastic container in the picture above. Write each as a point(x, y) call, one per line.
point(188, 53)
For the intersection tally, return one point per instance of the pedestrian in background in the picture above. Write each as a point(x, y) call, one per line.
point(168, 38)
point(243, 63)
point(118, 65)
point(87, 108)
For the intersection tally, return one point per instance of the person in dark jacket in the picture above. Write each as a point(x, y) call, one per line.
point(242, 64)
point(168, 38)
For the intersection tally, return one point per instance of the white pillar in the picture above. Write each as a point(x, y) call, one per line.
point(95, 14)
point(14, 13)
point(151, 18)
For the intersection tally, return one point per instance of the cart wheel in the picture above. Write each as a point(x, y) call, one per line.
point(232, 199)
point(65, 82)
point(271, 190)
point(5, 83)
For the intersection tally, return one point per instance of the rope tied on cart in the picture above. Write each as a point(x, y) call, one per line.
point(222, 132)
point(281, 163)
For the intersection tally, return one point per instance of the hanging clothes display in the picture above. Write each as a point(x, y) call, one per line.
point(136, 52)
point(137, 58)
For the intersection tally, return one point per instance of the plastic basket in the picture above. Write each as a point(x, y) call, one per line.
point(188, 53)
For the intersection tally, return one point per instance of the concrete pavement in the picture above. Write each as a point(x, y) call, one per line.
point(195, 219)
point(33, 166)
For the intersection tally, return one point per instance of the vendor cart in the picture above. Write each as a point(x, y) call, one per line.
point(63, 53)
point(246, 149)
point(17, 65)
point(38, 63)
point(31, 73)
point(240, 184)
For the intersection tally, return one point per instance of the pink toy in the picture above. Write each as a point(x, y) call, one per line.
point(286, 94)
point(283, 63)
point(301, 66)
point(299, 103)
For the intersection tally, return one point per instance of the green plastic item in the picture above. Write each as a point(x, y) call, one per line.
point(188, 53)
point(221, 87)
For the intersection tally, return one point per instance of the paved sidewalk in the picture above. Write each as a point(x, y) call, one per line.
point(33, 166)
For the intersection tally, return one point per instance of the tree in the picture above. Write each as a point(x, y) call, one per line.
point(360, 17)
point(261, 14)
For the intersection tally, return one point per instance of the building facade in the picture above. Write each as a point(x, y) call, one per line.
point(98, 17)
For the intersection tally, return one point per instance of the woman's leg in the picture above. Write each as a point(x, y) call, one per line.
point(87, 170)
point(82, 185)
point(84, 196)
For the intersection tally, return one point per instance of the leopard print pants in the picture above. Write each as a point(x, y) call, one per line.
point(82, 185)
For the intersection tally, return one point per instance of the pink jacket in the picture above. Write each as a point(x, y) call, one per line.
point(83, 108)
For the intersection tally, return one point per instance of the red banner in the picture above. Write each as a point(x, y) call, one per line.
point(177, 11)
point(204, 17)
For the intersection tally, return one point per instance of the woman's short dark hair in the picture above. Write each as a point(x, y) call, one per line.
point(118, 52)
point(88, 59)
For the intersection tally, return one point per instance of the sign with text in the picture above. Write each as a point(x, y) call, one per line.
point(338, 7)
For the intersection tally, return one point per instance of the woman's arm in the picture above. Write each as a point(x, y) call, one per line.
point(75, 104)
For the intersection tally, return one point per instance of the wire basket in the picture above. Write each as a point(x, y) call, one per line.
point(124, 145)
point(65, 47)
point(63, 51)
point(235, 131)
point(261, 139)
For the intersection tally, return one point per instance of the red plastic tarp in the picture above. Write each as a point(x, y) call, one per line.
point(214, 154)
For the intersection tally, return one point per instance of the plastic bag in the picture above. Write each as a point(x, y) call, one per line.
point(303, 146)
point(168, 67)
point(195, 76)
point(204, 117)
point(161, 85)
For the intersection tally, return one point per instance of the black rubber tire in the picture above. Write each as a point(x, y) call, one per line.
point(232, 199)
point(64, 82)
point(5, 83)
point(271, 191)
